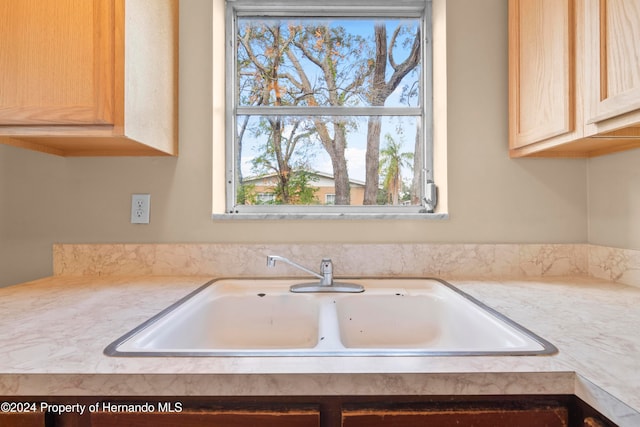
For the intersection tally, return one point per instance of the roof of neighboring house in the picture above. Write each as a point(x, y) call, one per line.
point(319, 174)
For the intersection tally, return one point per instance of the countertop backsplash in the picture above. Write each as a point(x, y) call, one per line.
point(450, 261)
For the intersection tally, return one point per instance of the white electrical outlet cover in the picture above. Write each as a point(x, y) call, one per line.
point(140, 205)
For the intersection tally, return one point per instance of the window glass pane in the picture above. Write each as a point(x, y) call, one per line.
point(337, 62)
point(298, 160)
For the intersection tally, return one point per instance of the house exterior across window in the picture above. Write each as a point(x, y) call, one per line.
point(322, 184)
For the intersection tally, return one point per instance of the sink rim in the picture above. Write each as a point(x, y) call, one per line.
point(112, 349)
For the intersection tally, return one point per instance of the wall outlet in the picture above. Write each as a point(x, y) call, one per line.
point(140, 205)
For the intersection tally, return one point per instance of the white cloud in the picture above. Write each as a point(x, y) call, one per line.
point(355, 162)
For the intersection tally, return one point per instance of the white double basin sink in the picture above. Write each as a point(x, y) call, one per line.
point(392, 317)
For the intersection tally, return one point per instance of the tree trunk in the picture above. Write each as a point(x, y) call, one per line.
point(284, 169)
point(377, 98)
point(339, 163)
point(372, 161)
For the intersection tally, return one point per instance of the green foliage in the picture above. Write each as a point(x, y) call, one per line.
point(286, 153)
point(299, 189)
point(246, 194)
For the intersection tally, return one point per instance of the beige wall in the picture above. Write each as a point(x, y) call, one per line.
point(614, 200)
point(46, 199)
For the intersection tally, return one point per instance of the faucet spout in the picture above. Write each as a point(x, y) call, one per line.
point(271, 262)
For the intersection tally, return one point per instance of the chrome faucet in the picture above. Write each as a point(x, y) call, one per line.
point(326, 283)
point(326, 268)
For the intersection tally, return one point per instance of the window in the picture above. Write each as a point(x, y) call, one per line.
point(329, 107)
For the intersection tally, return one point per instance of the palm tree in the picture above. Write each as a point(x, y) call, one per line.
point(392, 160)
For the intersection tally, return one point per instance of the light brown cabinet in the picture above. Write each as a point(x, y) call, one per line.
point(480, 417)
point(306, 411)
point(612, 68)
point(22, 419)
point(89, 77)
point(541, 51)
point(209, 418)
point(574, 77)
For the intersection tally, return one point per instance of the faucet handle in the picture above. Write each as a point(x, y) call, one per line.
point(326, 270)
point(326, 266)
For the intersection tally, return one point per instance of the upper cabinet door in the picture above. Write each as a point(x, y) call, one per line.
point(56, 62)
point(541, 61)
point(612, 58)
point(541, 68)
point(89, 77)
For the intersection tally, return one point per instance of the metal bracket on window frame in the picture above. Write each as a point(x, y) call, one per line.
point(430, 199)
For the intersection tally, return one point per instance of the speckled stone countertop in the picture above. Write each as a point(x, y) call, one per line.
point(53, 332)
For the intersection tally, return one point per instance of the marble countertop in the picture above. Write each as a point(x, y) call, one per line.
point(55, 329)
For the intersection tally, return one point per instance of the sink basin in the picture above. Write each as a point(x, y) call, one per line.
point(431, 319)
point(228, 316)
point(251, 317)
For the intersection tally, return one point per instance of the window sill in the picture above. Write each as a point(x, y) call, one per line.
point(330, 216)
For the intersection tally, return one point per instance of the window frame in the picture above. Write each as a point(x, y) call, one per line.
point(421, 9)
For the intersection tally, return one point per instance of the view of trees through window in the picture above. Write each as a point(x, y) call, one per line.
point(328, 111)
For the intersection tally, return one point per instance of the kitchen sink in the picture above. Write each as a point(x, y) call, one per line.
point(261, 317)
